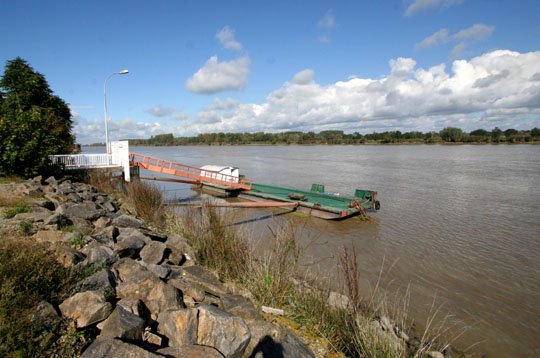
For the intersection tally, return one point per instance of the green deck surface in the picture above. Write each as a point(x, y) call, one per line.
point(329, 202)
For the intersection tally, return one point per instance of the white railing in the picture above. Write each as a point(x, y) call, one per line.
point(82, 160)
point(118, 158)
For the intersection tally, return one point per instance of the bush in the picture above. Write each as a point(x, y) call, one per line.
point(28, 275)
point(148, 202)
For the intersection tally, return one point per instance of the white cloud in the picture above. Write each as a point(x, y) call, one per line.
point(471, 95)
point(303, 77)
point(499, 88)
point(182, 117)
point(417, 6)
point(324, 39)
point(160, 111)
point(227, 39)
point(477, 32)
point(93, 131)
point(217, 76)
point(437, 38)
point(328, 20)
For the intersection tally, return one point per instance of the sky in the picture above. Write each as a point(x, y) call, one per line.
point(247, 66)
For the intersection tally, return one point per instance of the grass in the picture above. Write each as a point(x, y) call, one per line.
point(354, 331)
point(28, 275)
point(14, 210)
point(217, 244)
point(148, 201)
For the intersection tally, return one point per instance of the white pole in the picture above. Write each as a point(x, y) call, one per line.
point(107, 143)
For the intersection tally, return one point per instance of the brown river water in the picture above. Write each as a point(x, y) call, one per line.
point(459, 227)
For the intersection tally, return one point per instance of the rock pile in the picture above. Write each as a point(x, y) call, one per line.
point(146, 298)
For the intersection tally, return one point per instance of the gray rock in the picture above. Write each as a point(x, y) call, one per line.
point(106, 235)
point(204, 279)
point(143, 285)
point(99, 282)
point(98, 254)
point(102, 223)
point(129, 242)
point(33, 217)
point(154, 235)
point(158, 270)
point(74, 198)
point(123, 324)
point(86, 308)
point(51, 236)
point(110, 347)
point(58, 219)
point(125, 220)
point(227, 333)
point(271, 340)
point(51, 180)
point(193, 351)
point(153, 252)
point(180, 326)
point(86, 210)
point(239, 306)
point(135, 306)
point(197, 294)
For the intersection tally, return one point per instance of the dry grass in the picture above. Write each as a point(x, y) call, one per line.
point(353, 331)
point(269, 279)
point(217, 244)
point(147, 199)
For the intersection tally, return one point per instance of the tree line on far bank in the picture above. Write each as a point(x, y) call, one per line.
point(446, 135)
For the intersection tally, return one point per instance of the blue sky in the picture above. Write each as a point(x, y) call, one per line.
point(234, 66)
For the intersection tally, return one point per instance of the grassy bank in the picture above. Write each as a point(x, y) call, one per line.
point(350, 324)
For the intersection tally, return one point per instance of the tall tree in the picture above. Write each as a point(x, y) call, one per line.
point(34, 123)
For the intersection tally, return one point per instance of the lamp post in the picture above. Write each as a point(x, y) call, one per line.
point(107, 144)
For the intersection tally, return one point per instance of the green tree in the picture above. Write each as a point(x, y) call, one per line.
point(34, 123)
point(451, 134)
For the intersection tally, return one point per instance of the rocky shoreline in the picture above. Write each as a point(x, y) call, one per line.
point(145, 296)
point(148, 298)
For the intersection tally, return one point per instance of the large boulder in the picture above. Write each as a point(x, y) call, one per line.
point(125, 220)
point(129, 242)
point(271, 340)
point(86, 210)
point(204, 279)
point(99, 254)
point(100, 281)
point(156, 295)
point(239, 306)
point(227, 333)
point(180, 326)
point(68, 256)
point(123, 324)
point(86, 308)
point(153, 252)
point(109, 347)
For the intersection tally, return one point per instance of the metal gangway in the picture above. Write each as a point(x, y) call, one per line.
point(197, 175)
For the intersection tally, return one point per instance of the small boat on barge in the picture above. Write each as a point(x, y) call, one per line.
point(227, 181)
point(315, 202)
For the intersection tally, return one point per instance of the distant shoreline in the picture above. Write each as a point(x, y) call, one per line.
point(314, 144)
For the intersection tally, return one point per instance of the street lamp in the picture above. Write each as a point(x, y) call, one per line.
point(107, 144)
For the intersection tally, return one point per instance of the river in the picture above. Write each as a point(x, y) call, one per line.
point(459, 226)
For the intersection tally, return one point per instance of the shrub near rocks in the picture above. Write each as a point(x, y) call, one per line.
point(28, 275)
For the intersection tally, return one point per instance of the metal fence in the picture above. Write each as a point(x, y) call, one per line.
point(82, 160)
